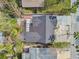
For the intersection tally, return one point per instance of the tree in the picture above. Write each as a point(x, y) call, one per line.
point(57, 6)
point(11, 7)
point(11, 31)
point(76, 35)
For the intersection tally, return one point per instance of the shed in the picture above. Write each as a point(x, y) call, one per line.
point(32, 3)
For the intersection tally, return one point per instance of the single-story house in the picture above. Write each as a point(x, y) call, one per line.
point(40, 53)
point(46, 53)
point(38, 28)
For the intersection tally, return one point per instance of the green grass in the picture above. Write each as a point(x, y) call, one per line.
point(2, 56)
point(56, 7)
point(8, 48)
point(60, 44)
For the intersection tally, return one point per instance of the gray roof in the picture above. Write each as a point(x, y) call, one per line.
point(32, 3)
point(41, 30)
point(41, 53)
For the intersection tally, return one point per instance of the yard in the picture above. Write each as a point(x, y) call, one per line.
point(58, 6)
point(11, 50)
point(61, 44)
point(50, 6)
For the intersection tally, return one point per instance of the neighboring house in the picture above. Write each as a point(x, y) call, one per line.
point(39, 28)
point(32, 3)
point(63, 31)
point(40, 53)
point(46, 53)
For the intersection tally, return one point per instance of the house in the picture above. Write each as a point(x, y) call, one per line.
point(40, 53)
point(32, 3)
point(38, 28)
point(46, 53)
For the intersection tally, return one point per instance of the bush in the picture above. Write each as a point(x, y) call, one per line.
point(76, 35)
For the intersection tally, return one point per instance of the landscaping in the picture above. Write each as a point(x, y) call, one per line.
point(61, 44)
point(11, 30)
point(59, 7)
point(77, 46)
point(76, 35)
point(13, 46)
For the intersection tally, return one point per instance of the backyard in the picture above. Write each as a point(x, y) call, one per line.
point(59, 7)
